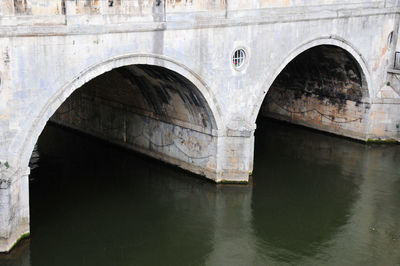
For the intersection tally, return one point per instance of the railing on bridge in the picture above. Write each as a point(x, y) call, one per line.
point(45, 12)
point(104, 7)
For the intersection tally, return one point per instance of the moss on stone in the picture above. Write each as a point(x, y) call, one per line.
point(18, 240)
point(233, 182)
point(382, 141)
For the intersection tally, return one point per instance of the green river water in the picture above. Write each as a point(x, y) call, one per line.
point(314, 199)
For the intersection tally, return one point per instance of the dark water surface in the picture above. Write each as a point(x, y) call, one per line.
point(315, 200)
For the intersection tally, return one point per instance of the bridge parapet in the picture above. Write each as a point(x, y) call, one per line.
point(55, 12)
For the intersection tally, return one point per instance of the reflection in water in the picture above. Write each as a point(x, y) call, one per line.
point(233, 241)
point(304, 192)
point(318, 198)
point(19, 256)
point(315, 199)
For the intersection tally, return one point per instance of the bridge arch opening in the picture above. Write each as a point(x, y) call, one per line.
point(150, 109)
point(148, 104)
point(324, 88)
point(160, 110)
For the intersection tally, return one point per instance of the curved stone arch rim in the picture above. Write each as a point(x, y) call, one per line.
point(325, 40)
point(98, 69)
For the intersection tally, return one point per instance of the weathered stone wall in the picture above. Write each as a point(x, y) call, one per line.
point(96, 7)
point(14, 205)
point(238, 4)
point(76, 7)
point(144, 7)
point(322, 88)
point(384, 120)
point(148, 109)
point(195, 5)
point(43, 64)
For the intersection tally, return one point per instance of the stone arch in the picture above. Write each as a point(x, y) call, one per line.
point(328, 40)
point(92, 72)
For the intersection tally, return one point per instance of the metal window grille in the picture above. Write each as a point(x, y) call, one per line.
point(397, 60)
point(238, 58)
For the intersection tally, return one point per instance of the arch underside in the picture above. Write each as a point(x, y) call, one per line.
point(147, 108)
point(322, 88)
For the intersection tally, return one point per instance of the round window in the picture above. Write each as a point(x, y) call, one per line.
point(238, 59)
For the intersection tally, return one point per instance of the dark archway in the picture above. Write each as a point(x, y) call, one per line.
point(149, 109)
point(150, 91)
point(323, 88)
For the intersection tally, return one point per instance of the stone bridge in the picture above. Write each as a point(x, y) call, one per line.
point(185, 80)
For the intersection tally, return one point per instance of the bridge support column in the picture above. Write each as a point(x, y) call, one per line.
point(14, 207)
point(384, 122)
point(235, 156)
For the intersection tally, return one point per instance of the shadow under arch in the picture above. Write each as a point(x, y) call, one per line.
point(94, 71)
point(325, 40)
